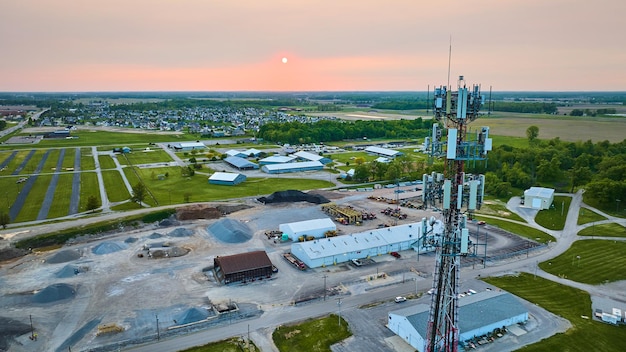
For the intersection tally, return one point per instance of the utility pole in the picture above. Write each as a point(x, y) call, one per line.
point(157, 322)
point(324, 286)
point(339, 316)
point(32, 330)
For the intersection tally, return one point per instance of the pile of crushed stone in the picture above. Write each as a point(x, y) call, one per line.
point(181, 232)
point(230, 231)
point(130, 240)
point(64, 256)
point(169, 252)
point(54, 293)
point(70, 271)
point(192, 315)
point(108, 247)
point(155, 235)
point(293, 196)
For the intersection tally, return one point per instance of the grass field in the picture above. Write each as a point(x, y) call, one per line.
point(176, 189)
point(114, 185)
point(106, 162)
point(62, 196)
point(86, 159)
point(592, 262)
point(312, 335)
point(604, 230)
point(554, 218)
point(231, 345)
point(114, 139)
point(88, 187)
point(9, 190)
point(497, 207)
point(35, 197)
point(143, 157)
point(521, 230)
point(51, 161)
point(570, 303)
point(68, 161)
point(349, 157)
point(586, 216)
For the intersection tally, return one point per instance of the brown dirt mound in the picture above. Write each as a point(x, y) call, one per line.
point(203, 211)
point(198, 211)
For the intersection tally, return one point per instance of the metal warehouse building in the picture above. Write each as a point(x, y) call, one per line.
point(240, 163)
point(242, 267)
point(340, 249)
point(292, 167)
point(311, 157)
point(187, 146)
point(315, 228)
point(538, 197)
point(479, 314)
point(276, 159)
point(226, 178)
point(387, 153)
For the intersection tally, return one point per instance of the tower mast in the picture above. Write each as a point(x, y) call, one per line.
point(456, 192)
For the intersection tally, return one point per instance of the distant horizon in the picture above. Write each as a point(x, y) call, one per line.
point(310, 46)
point(296, 91)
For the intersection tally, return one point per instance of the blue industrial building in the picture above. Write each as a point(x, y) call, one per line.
point(306, 156)
point(226, 178)
point(276, 159)
point(371, 243)
point(292, 167)
point(241, 163)
point(479, 314)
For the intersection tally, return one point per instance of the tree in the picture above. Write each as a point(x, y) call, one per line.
point(92, 203)
point(139, 193)
point(532, 133)
point(5, 219)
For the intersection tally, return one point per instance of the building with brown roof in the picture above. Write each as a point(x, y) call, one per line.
point(242, 267)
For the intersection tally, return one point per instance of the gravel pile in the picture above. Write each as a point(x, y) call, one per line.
point(108, 247)
point(181, 232)
point(230, 231)
point(64, 256)
point(67, 271)
point(155, 235)
point(192, 315)
point(130, 240)
point(54, 293)
point(293, 196)
point(10, 329)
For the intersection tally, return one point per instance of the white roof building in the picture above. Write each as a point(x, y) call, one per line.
point(389, 153)
point(538, 198)
point(315, 228)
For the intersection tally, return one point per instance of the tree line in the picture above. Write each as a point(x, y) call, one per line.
point(337, 130)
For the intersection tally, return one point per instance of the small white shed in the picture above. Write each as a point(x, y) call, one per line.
point(538, 198)
point(315, 228)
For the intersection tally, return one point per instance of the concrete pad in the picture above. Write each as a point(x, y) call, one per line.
point(398, 344)
point(516, 330)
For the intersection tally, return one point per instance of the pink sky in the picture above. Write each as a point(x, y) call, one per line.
point(331, 45)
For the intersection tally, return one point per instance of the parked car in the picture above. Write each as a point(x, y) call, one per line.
point(395, 254)
point(400, 299)
point(356, 262)
point(481, 222)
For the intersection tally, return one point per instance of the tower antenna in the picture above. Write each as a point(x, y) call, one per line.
point(449, 60)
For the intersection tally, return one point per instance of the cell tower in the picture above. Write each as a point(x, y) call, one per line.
point(455, 192)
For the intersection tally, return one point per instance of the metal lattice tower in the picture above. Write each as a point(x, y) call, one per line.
point(455, 192)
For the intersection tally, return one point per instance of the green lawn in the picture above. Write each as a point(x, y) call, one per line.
point(569, 303)
point(62, 196)
point(554, 218)
point(590, 261)
point(233, 344)
point(517, 142)
point(312, 335)
point(15, 162)
point(68, 160)
point(106, 162)
point(51, 161)
point(120, 139)
point(522, 230)
point(35, 197)
point(144, 157)
point(114, 185)
point(349, 157)
point(9, 190)
point(86, 159)
point(604, 230)
point(586, 216)
point(88, 187)
point(498, 208)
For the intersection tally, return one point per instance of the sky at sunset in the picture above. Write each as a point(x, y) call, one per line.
point(334, 45)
